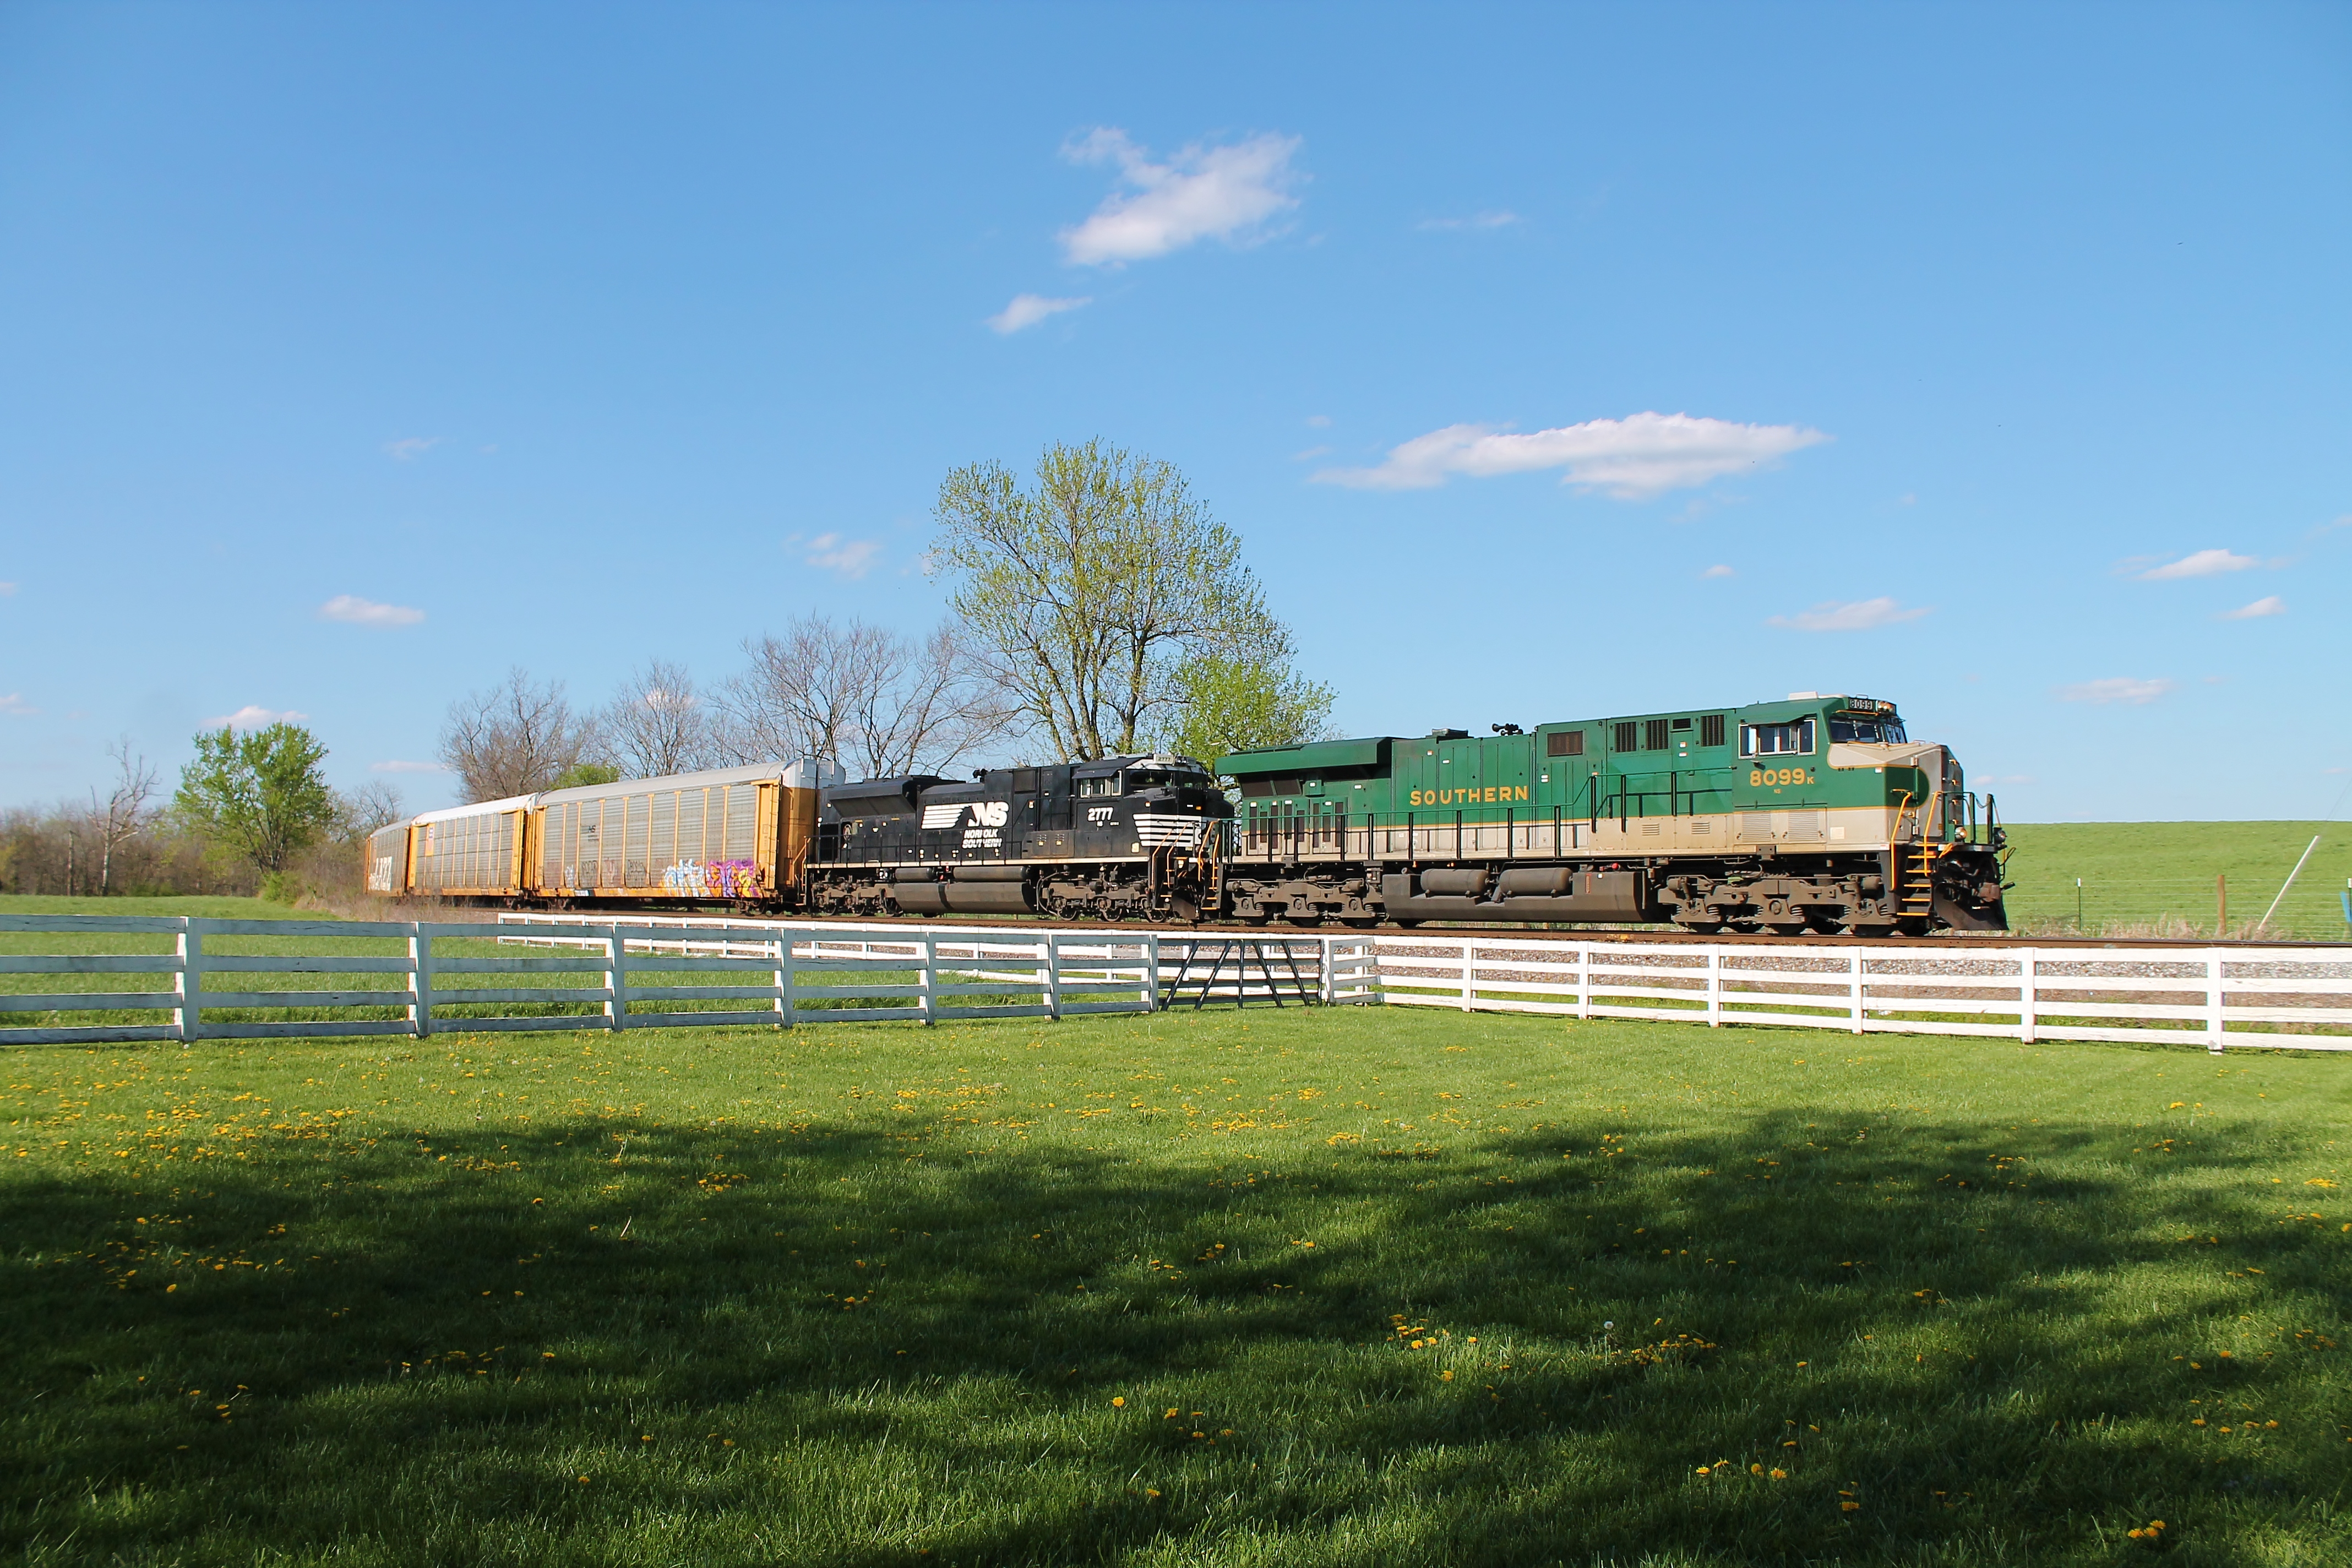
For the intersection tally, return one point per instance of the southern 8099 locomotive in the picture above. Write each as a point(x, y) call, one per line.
point(1814, 813)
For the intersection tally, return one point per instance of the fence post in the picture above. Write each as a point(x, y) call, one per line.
point(1584, 980)
point(787, 982)
point(189, 983)
point(1323, 989)
point(1051, 949)
point(420, 979)
point(931, 980)
point(1854, 963)
point(2029, 991)
point(616, 979)
point(1469, 963)
point(1713, 986)
point(2213, 1001)
point(1150, 972)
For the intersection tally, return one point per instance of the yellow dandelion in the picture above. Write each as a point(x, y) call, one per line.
point(1119, 1402)
point(1780, 1475)
point(1445, 1377)
point(1849, 1506)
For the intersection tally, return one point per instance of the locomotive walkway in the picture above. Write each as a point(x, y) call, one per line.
point(204, 979)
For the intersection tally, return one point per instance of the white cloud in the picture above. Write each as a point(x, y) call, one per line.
point(1309, 454)
point(399, 767)
point(1861, 616)
point(1028, 310)
point(1632, 458)
point(1498, 219)
point(850, 557)
point(409, 447)
point(253, 717)
point(2270, 606)
point(7, 590)
point(2116, 689)
point(358, 612)
point(1718, 572)
point(2202, 563)
point(14, 706)
point(1200, 192)
point(1318, 421)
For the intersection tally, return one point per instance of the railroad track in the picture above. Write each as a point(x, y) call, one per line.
point(1945, 943)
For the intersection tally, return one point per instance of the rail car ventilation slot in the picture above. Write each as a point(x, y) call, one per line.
point(1564, 743)
point(1650, 829)
point(1710, 729)
point(1656, 736)
point(1629, 737)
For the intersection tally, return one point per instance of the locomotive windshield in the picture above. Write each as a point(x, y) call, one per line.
point(1868, 731)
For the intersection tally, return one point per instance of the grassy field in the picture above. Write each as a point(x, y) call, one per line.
point(1357, 1286)
point(2157, 877)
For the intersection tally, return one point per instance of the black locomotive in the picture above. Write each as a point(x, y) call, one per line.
point(1127, 838)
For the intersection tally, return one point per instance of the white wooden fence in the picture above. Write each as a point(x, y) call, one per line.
point(2260, 996)
point(208, 978)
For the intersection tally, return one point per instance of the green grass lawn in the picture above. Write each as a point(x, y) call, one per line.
point(206, 908)
point(2157, 877)
point(1355, 1285)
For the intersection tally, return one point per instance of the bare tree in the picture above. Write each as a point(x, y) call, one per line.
point(373, 805)
point(658, 724)
point(873, 701)
point(123, 813)
point(515, 739)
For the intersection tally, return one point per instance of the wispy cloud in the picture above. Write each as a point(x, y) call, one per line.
point(1718, 572)
point(1860, 615)
point(353, 610)
point(1634, 458)
point(1319, 422)
point(410, 448)
point(2270, 604)
point(2116, 689)
point(1199, 193)
point(7, 590)
point(1498, 219)
point(253, 717)
point(1028, 310)
point(2201, 564)
point(853, 558)
point(400, 767)
point(14, 706)
point(1309, 454)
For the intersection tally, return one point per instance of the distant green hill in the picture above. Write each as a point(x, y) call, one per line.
point(2157, 877)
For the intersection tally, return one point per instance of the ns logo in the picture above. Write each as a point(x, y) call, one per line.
point(990, 813)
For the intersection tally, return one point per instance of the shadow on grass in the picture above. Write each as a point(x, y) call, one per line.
point(615, 1342)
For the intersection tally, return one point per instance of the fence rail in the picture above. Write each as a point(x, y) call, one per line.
point(202, 981)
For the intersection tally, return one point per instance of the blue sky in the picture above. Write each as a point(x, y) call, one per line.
point(1553, 361)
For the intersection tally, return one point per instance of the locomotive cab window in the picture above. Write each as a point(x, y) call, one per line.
point(1873, 730)
point(1791, 739)
point(1108, 784)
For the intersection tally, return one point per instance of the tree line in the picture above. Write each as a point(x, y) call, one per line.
point(253, 814)
point(1096, 608)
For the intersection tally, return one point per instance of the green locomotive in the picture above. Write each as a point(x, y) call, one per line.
point(1816, 814)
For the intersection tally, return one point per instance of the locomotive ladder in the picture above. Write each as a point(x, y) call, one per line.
point(1240, 953)
point(1919, 886)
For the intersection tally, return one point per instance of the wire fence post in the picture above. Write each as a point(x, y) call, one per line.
point(2213, 1001)
point(187, 986)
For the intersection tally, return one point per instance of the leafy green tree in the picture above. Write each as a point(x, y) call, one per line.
point(1089, 591)
point(258, 796)
point(1225, 704)
point(582, 773)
